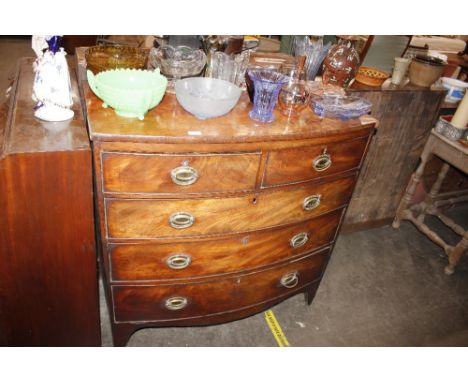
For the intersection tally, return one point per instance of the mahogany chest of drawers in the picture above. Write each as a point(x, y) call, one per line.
point(203, 222)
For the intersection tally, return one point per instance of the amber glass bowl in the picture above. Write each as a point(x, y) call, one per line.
point(102, 57)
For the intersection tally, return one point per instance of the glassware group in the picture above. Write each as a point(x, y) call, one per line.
point(267, 86)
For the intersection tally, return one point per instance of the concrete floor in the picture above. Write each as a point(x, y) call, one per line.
point(383, 287)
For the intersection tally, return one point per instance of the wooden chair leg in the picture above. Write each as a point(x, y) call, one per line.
point(455, 255)
point(438, 183)
point(411, 189)
point(408, 196)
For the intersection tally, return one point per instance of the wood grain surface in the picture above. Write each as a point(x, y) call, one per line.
point(406, 118)
point(146, 219)
point(296, 165)
point(148, 261)
point(151, 173)
point(147, 303)
point(122, 331)
point(169, 122)
point(48, 275)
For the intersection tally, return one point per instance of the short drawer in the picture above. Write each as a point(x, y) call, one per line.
point(306, 163)
point(182, 301)
point(155, 218)
point(166, 173)
point(201, 258)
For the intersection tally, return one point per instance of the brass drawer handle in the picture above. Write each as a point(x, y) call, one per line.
point(290, 280)
point(176, 303)
point(181, 220)
point(299, 240)
point(179, 261)
point(311, 202)
point(322, 162)
point(184, 175)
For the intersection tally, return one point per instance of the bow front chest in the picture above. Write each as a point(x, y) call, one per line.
point(204, 222)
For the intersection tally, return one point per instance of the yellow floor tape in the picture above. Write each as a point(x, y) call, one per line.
point(276, 329)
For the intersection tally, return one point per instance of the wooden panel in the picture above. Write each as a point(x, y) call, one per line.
point(151, 173)
point(296, 165)
point(150, 218)
point(48, 275)
point(406, 118)
point(147, 303)
point(224, 255)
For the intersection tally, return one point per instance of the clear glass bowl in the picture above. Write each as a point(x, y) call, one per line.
point(341, 107)
point(207, 97)
point(178, 62)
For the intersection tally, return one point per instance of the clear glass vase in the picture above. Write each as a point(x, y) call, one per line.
point(267, 85)
point(341, 64)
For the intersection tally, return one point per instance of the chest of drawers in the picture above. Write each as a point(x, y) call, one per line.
point(203, 222)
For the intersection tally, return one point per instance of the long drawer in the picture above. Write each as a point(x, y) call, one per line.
point(307, 163)
point(175, 173)
point(157, 218)
point(204, 258)
point(182, 301)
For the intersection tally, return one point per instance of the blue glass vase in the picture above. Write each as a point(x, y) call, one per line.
point(267, 85)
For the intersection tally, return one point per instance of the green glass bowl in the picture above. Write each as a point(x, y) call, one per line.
point(130, 92)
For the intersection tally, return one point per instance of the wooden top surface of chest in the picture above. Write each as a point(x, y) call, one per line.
point(170, 123)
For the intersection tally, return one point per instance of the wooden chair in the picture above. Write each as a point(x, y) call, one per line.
point(454, 154)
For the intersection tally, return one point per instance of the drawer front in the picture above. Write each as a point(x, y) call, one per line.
point(165, 173)
point(226, 255)
point(182, 301)
point(306, 163)
point(140, 219)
